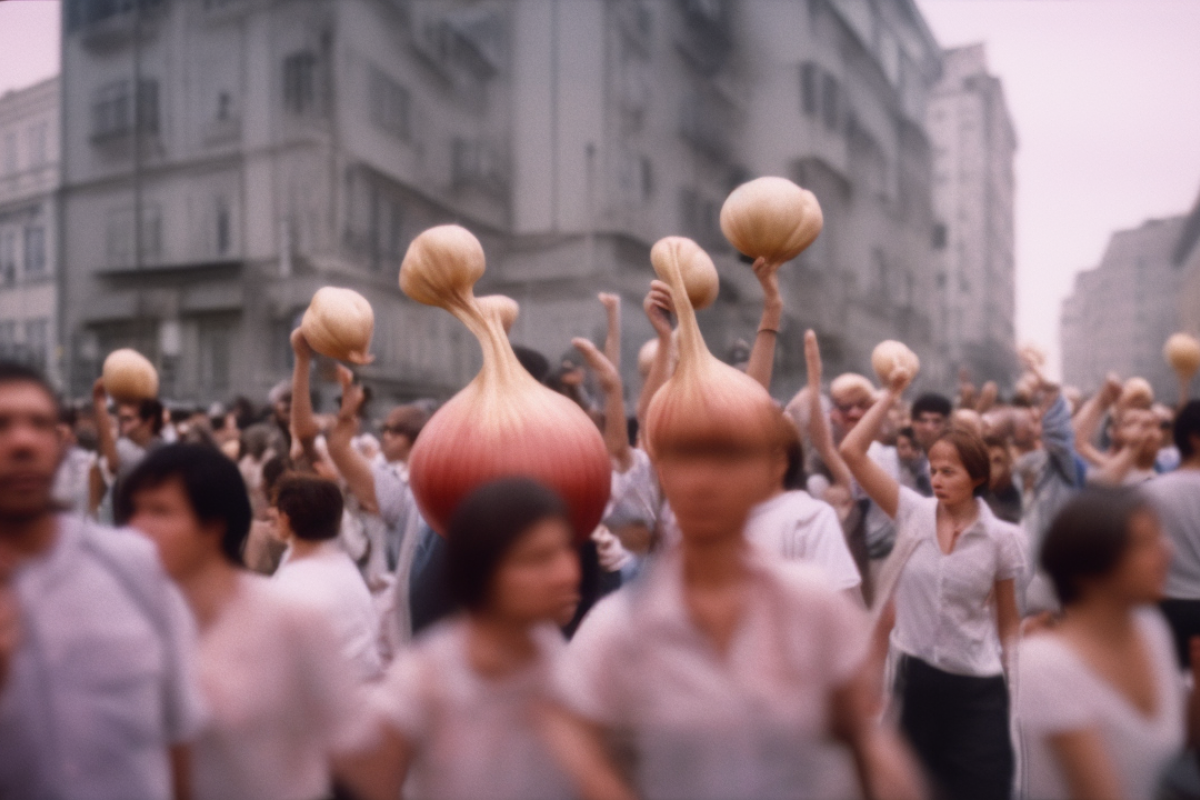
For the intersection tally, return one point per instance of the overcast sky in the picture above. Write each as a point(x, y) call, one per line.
point(1105, 96)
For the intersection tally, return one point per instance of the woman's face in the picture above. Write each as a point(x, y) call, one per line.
point(164, 514)
point(1142, 571)
point(711, 494)
point(947, 475)
point(538, 579)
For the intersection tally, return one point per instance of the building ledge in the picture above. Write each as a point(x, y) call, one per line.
point(192, 269)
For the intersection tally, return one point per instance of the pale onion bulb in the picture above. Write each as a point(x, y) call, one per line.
point(1182, 352)
point(889, 355)
point(705, 401)
point(771, 218)
point(695, 267)
point(129, 376)
point(503, 423)
point(339, 324)
point(505, 309)
point(1137, 393)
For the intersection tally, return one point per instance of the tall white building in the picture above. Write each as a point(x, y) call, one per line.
point(223, 159)
point(974, 145)
point(1120, 313)
point(28, 263)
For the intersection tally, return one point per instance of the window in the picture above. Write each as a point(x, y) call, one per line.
point(939, 236)
point(8, 258)
point(37, 341)
point(10, 153)
point(224, 233)
point(36, 140)
point(35, 251)
point(8, 337)
point(300, 83)
point(388, 102)
point(119, 236)
point(829, 101)
point(113, 109)
point(810, 76)
point(224, 106)
point(216, 351)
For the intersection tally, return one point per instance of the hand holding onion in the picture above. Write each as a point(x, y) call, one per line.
point(771, 218)
point(659, 308)
point(890, 355)
point(339, 324)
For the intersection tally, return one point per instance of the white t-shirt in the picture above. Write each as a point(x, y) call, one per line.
point(1176, 499)
point(1058, 692)
point(750, 723)
point(793, 525)
point(473, 736)
point(281, 696)
point(328, 581)
point(635, 495)
point(945, 612)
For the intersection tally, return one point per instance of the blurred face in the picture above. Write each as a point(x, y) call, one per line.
point(131, 426)
point(31, 447)
point(538, 580)
point(951, 483)
point(906, 449)
point(848, 409)
point(1027, 427)
point(1140, 428)
point(395, 445)
point(283, 408)
point(164, 514)
point(928, 426)
point(1001, 463)
point(711, 493)
point(1142, 571)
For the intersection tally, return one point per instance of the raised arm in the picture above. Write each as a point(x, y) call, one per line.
point(1087, 421)
point(658, 307)
point(107, 441)
point(762, 355)
point(304, 423)
point(612, 337)
point(616, 433)
point(874, 480)
point(355, 469)
point(818, 423)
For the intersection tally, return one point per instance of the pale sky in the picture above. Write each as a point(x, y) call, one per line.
point(1104, 94)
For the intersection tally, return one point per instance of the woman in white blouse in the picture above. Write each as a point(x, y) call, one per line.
point(952, 575)
point(1100, 700)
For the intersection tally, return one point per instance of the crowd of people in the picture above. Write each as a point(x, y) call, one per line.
point(990, 595)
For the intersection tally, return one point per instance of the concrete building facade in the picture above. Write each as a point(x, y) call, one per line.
point(224, 159)
point(29, 174)
point(974, 144)
point(1120, 313)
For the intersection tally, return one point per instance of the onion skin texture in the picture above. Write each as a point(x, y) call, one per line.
point(888, 355)
point(1182, 352)
point(771, 218)
point(696, 269)
point(339, 324)
point(503, 308)
point(503, 423)
point(129, 376)
point(1137, 393)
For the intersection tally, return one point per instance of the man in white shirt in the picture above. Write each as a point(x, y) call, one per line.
point(96, 692)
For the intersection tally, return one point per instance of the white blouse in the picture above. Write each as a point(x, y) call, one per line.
point(1058, 692)
point(945, 611)
point(794, 525)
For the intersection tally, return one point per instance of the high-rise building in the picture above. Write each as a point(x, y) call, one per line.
point(974, 144)
point(28, 264)
point(1121, 312)
point(223, 159)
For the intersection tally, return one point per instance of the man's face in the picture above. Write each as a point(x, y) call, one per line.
point(906, 449)
point(848, 409)
point(30, 450)
point(928, 426)
point(132, 426)
point(394, 443)
point(1001, 463)
point(283, 408)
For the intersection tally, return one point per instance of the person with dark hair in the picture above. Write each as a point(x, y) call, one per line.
point(1175, 497)
point(469, 711)
point(72, 484)
point(1100, 702)
point(282, 700)
point(97, 695)
point(1002, 495)
point(953, 576)
point(909, 454)
point(315, 570)
point(139, 425)
point(930, 418)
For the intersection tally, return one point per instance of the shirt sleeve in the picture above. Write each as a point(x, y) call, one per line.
point(1048, 698)
point(1011, 557)
point(827, 548)
point(184, 705)
point(909, 507)
point(588, 676)
point(391, 493)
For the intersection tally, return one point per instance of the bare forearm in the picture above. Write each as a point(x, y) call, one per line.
point(304, 424)
point(655, 378)
point(354, 469)
point(762, 355)
point(616, 431)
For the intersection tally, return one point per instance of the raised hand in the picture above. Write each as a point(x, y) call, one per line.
point(659, 308)
point(606, 372)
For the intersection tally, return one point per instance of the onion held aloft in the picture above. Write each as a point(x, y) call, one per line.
point(503, 423)
point(1182, 352)
point(771, 218)
point(1137, 393)
point(339, 324)
point(696, 269)
point(889, 355)
point(129, 376)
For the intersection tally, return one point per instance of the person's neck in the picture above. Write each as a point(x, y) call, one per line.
point(498, 645)
point(304, 548)
point(1100, 616)
point(961, 511)
point(713, 563)
point(29, 537)
point(210, 589)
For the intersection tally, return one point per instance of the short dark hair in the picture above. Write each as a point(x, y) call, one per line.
point(214, 488)
point(313, 506)
point(931, 403)
point(150, 408)
point(908, 433)
point(973, 454)
point(1187, 425)
point(410, 419)
point(793, 477)
point(484, 529)
point(1088, 537)
point(16, 372)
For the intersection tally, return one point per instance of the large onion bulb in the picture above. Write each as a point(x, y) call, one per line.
point(129, 376)
point(1137, 393)
point(699, 275)
point(339, 324)
point(704, 401)
point(889, 355)
point(503, 423)
point(771, 218)
point(1182, 352)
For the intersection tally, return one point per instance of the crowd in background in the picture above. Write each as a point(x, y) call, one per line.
point(953, 596)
